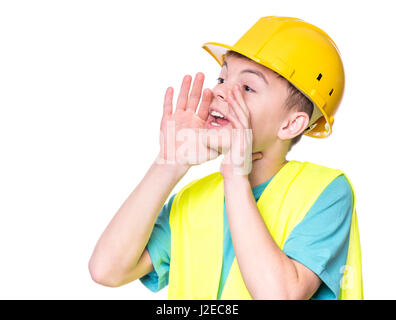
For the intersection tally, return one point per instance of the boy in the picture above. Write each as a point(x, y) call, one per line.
point(262, 227)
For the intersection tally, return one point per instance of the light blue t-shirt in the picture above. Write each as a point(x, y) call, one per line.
point(320, 241)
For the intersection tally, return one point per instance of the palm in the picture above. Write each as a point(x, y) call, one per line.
point(187, 119)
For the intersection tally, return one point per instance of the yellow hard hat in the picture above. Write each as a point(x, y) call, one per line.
point(303, 54)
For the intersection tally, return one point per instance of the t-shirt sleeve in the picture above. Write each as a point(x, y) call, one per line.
point(158, 247)
point(320, 241)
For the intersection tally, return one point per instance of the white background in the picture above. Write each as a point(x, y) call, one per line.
point(81, 92)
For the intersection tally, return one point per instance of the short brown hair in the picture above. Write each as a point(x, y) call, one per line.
point(296, 100)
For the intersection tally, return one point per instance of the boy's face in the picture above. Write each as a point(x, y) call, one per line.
point(264, 97)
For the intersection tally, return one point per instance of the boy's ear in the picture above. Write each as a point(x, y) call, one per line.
point(293, 125)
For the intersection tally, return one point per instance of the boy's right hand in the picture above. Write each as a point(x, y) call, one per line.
point(181, 137)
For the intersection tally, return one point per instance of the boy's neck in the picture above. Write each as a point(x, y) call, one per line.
point(266, 167)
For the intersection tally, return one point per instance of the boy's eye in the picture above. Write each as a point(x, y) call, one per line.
point(247, 88)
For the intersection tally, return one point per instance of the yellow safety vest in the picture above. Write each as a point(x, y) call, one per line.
point(196, 222)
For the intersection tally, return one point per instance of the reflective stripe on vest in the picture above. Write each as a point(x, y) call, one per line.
point(196, 222)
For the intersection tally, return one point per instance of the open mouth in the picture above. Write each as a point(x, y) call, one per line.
point(217, 119)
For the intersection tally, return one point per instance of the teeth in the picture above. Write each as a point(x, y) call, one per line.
point(217, 114)
point(215, 124)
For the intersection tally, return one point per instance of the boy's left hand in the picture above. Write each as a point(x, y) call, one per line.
point(239, 158)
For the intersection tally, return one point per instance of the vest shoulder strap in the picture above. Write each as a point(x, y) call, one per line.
point(290, 194)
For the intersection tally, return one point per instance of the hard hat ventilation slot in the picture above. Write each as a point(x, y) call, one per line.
point(331, 92)
point(319, 77)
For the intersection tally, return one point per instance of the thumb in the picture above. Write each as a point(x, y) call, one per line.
point(257, 156)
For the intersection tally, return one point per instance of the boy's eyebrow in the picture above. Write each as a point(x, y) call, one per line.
point(256, 72)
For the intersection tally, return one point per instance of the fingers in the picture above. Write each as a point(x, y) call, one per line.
point(235, 121)
point(240, 114)
point(238, 95)
point(168, 103)
point(183, 95)
point(196, 90)
point(203, 110)
point(240, 119)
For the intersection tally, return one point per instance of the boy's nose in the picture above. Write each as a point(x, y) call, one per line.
point(219, 101)
point(222, 93)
